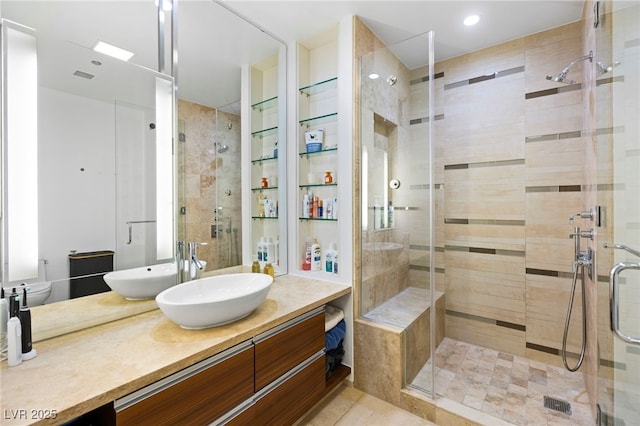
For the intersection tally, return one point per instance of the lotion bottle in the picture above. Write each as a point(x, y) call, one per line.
point(4, 318)
point(14, 333)
point(305, 206)
point(329, 255)
point(316, 256)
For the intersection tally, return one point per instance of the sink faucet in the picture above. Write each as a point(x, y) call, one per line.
point(194, 264)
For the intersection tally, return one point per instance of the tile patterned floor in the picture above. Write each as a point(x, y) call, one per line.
point(505, 386)
point(349, 406)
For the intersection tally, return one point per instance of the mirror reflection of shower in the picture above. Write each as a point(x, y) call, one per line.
point(221, 148)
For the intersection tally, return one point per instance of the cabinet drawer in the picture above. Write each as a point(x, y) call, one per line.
point(196, 395)
point(287, 402)
point(280, 352)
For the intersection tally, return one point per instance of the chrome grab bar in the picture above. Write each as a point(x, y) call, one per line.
point(130, 225)
point(622, 247)
point(613, 295)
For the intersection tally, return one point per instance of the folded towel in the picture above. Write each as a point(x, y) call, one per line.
point(333, 337)
point(332, 316)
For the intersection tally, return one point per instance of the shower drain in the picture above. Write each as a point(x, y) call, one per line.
point(557, 404)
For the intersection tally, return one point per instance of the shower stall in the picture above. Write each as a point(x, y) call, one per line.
point(470, 169)
point(209, 182)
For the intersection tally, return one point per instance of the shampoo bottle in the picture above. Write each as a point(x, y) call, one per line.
point(14, 332)
point(316, 256)
point(390, 215)
point(305, 206)
point(335, 262)
point(268, 250)
point(329, 256)
point(306, 261)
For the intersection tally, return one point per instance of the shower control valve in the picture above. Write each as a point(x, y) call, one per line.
point(587, 214)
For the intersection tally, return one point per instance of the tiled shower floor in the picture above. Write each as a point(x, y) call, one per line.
point(505, 386)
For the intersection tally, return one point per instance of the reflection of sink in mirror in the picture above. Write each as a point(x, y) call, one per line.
point(145, 282)
point(212, 301)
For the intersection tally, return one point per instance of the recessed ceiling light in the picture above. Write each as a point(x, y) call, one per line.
point(83, 74)
point(471, 20)
point(113, 51)
point(373, 76)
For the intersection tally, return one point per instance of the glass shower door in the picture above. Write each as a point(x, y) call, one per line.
point(398, 192)
point(618, 156)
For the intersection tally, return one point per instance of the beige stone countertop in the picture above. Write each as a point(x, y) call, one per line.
point(80, 371)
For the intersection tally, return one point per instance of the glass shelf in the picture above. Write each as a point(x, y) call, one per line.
point(319, 120)
point(265, 132)
point(317, 152)
point(262, 217)
point(260, 160)
point(264, 189)
point(318, 218)
point(266, 104)
point(309, 185)
point(319, 87)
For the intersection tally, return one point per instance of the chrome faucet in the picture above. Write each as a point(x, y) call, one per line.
point(194, 265)
point(189, 265)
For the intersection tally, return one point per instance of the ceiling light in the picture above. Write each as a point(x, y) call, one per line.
point(373, 76)
point(471, 20)
point(113, 51)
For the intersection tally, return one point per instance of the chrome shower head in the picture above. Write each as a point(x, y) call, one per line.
point(562, 77)
point(221, 147)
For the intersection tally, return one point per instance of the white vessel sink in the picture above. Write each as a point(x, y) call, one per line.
point(213, 301)
point(145, 282)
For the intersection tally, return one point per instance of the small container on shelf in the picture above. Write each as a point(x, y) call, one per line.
point(264, 183)
point(314, 138)
point(328, 178)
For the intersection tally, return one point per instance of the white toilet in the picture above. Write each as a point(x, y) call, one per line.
point(38, 293)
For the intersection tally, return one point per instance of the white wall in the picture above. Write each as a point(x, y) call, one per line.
point(77, 181)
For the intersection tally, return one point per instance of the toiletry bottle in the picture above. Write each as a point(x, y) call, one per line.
point(4, 318)
point(25, 322)
point(268, 250)
point(269, 270)
point(316, 256)
point(306, 262)
point(335, 262)
point(305, 206)
point(14, 332)
point(261, 252)
point(328, 178)
point(264, 183)
point(390, 215)
point(329, 255)
point(320, 209)
point(255, 266)
point(276, 251)
point(328, 209)
point(334, 208)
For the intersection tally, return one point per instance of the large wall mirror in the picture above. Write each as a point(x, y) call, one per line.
point(97, 135)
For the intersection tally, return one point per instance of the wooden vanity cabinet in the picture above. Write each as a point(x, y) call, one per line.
point(272, 379)
point(195, 395)
point(284, 347)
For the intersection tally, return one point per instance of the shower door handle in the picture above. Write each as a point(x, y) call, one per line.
point(614, 293)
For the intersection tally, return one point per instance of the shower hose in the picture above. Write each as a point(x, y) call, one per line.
point(568, 320)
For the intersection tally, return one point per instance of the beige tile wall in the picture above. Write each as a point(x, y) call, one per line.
point(512, 167)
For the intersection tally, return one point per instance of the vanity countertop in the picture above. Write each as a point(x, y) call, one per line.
point(80, 371)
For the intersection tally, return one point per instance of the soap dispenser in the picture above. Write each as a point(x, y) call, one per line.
point(25, 322)
point(14, 332)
